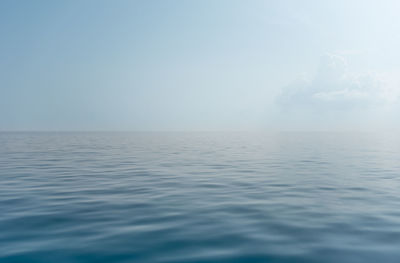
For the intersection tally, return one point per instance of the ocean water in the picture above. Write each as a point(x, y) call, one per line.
point(199, 197)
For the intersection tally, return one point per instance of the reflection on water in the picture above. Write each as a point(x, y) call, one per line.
point(199, 197)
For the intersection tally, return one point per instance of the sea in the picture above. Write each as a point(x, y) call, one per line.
point(151, 197)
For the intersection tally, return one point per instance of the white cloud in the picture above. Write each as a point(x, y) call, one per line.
point(335, 87)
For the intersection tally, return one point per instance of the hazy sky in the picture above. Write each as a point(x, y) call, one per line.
point(199, 65)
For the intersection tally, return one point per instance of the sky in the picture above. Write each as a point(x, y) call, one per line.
point(199, 65)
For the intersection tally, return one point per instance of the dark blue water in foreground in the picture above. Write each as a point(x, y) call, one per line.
point(199, 197)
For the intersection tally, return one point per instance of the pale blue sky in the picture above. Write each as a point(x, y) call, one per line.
point(199, 65)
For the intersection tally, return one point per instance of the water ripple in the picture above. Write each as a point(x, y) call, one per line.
point(199, 197)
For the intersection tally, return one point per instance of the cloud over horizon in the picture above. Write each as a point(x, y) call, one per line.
point(339, 98)
point(335, 87)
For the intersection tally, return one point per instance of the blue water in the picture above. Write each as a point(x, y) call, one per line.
point(199, 197)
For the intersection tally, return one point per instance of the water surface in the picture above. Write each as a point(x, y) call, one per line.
point(199, 197)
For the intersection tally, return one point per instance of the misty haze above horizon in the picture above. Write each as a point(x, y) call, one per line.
point(199, 65)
